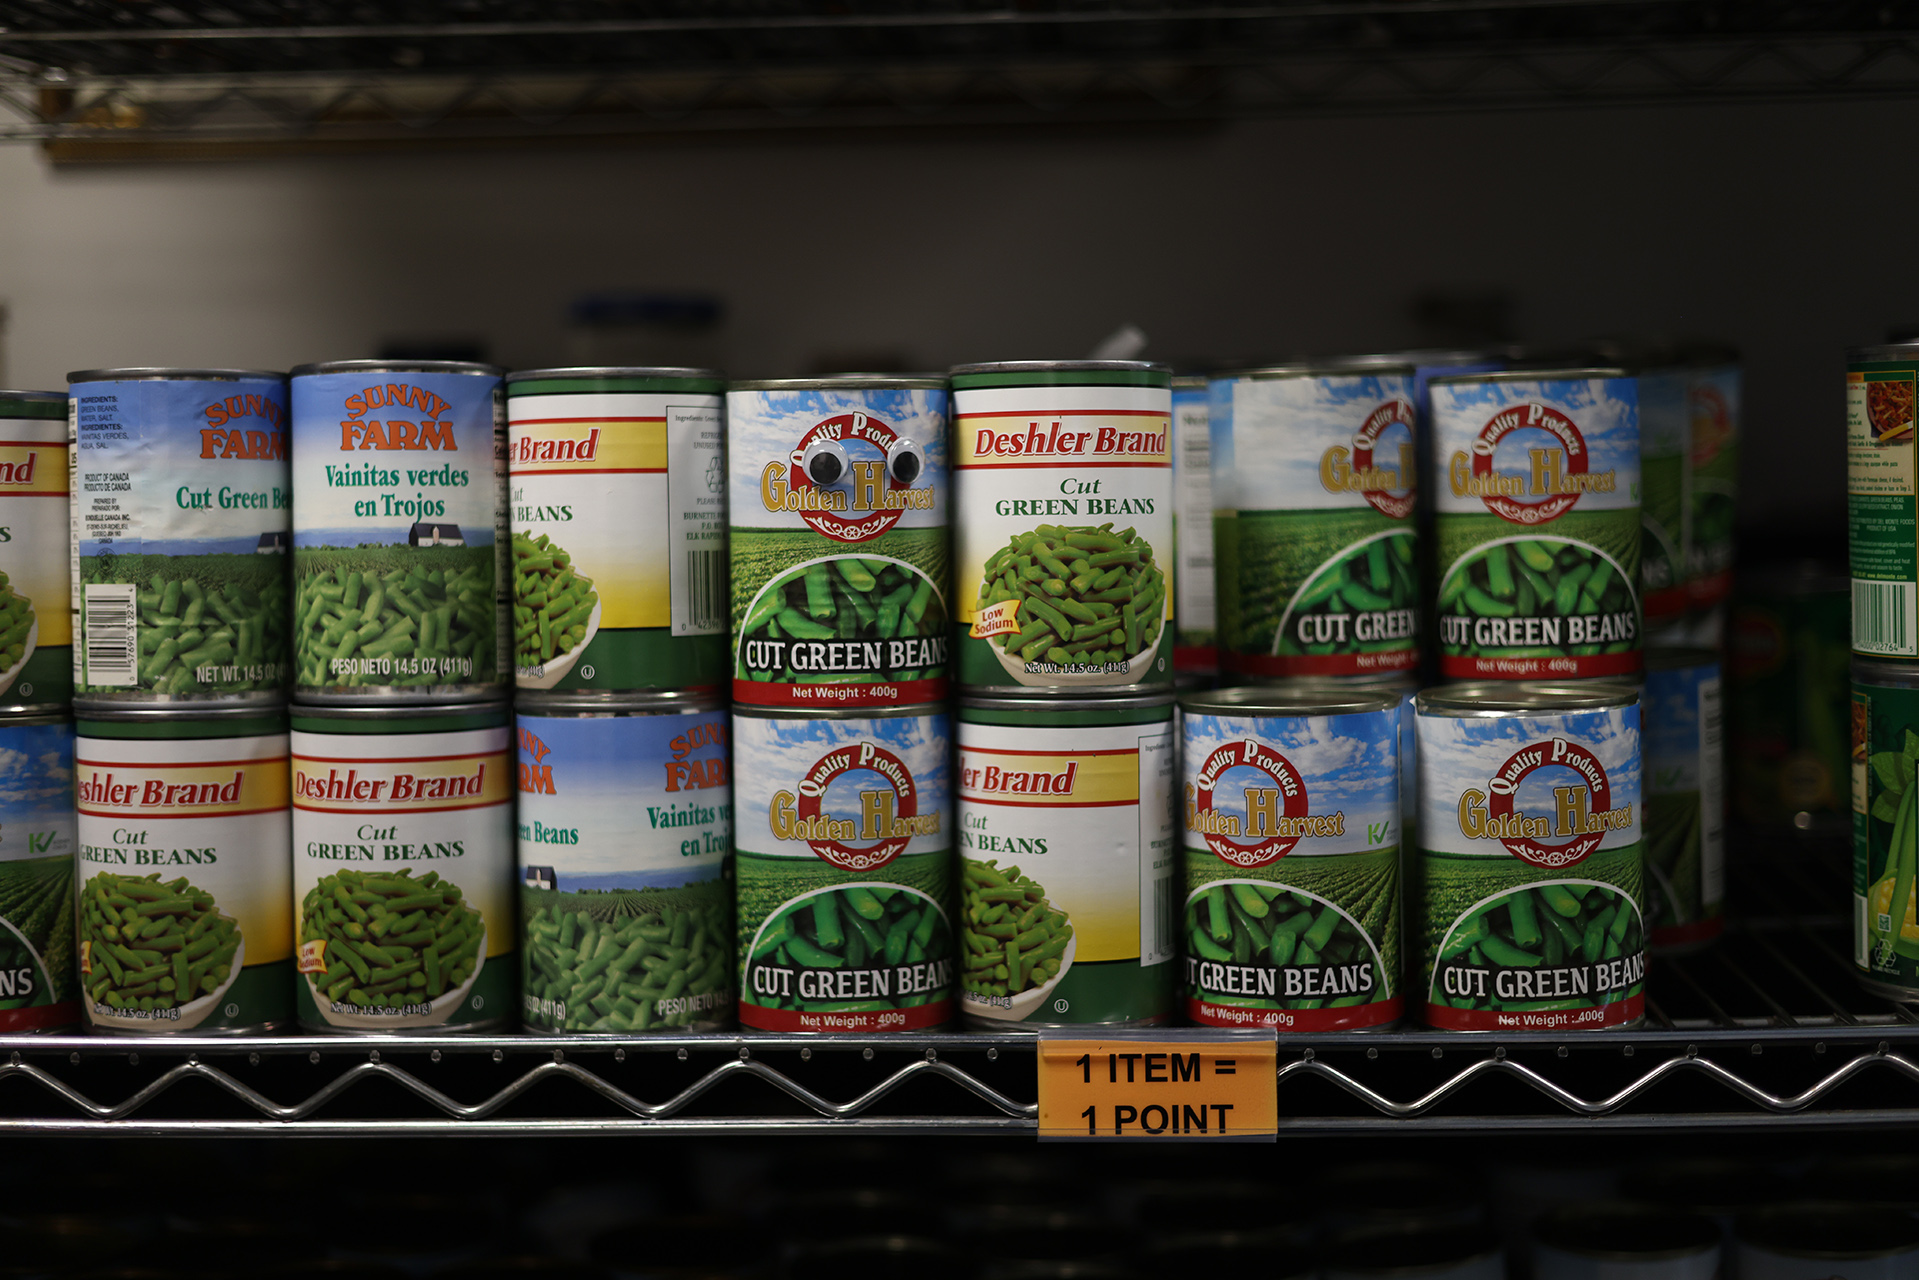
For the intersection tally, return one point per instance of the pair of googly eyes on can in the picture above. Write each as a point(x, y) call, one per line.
point(825, 462)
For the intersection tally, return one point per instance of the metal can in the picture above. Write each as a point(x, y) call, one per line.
point(1685, 758)
point(625, 834)
point(38, 988)
point(1787, 668)
point(1665, 492)
point(1884, 764)
point(837, 515)
point(182, 817)
point(1538, 524)
point(1194, 638)
point(1066, 820)
point(1291, 856)
point(399, 532)
point(618, 500)
point(845, 871)
point(1833, 1238)
point(1314, 489)
point(1718, 393)
point(180, 502)
point(403, 868)
point(1620, 1241)
point(1882, 492)
point(1064, 477)
point(36, 617)
point(1527, 907)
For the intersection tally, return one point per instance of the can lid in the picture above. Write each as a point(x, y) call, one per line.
point(1050, 705)
point(1548, 373)
point(1828, 1230)
point(33, 404)
point(1678, 657)
point(138, 374)
point(397, 366)
point(1288, 700)
point(1054, 373)
point(32, 715)
point(845, 382)
point(414, 718)
point(1615, 1230)
point(1524, 697)
point(1190, 381)
point(177, 720)
point(1328, 367)
point(546, 702)
point(1906, 351)
point(613, 378)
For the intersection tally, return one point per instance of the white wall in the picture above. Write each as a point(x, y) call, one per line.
point(1781, 228)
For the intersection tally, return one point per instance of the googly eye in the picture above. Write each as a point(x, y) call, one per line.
point(905, 460)
point(825, 462)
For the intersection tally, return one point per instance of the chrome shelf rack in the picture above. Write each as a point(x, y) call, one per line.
point(100, 80)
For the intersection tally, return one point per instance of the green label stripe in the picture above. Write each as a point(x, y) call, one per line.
point(586, 386)
point(45, 679)
point(1106, 991)
point(182, 726)
point(1037, 714)
point(40, 410)
point(492, 718)
point(647, 658)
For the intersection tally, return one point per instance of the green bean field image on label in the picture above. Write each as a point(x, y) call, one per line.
point(1717, 394)
point(1885, 764)
point(1685, 803)
point(38, 991)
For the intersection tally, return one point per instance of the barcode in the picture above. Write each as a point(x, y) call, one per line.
point(1882, 617)
point(112, 645)
point(705, 583)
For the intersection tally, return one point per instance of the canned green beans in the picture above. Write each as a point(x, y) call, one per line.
point(626, 896)
point(1314, 489)
point(1064, 532)
point(36, 625)
point(1685, 756)
point(1885, 762)
point(1665, 491)
point(619, 529)
point(1527, 913)
point(403, 883)
point(845, 869)
point(399, 532)
point(1787, 707)
point(180, 502)
point(1538, 524)
point(1718, 391)
point(1068, 857)
point(1194, 640)
point(1292, 848)
point(182, 884)
point(838, 512)
point(1882, 488)
point(37, 987)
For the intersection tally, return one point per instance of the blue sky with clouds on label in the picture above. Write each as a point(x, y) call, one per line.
point(1350, 764)
point(772, 755)
point(766, 426)
point(1269, 435)
point(1606, 411)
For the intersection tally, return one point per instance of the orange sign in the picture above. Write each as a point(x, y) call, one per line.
point(1194, 1086)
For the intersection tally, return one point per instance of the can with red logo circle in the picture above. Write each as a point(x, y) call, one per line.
point(1291, 842)
point(1537, 524)
point(1527, 911)
point(844, 868)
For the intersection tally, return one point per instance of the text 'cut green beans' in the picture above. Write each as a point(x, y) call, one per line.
point(1292, 941)
point(1557, 947)
point(552, 604)
point(1087, 599)
point(1015, 939)
point(395, 616)
point(863, 948)
point(392, 941)
point(847, 620)
point(152, 946)
point(201, 624)
point(1538, 597)
point(632, 961)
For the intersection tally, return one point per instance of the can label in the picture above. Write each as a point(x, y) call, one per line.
point(1666, 497)
point(1315, 484)
point(1685, 804)
point(1885, 761)
point(619, 538)
point(1069, 829)
point(1193, 648)
point(403, 878)
point(845, 873)
point(398, 521)
point(1881, 477)
point(625, 823)
point(180, 502)
point(1790, 744)
point(1716, 398)
point(183, 880)
point(1064, 536)
point(1292, 849)
point(36, 629)
point(38, 989)
point(840, 592)
point(1528, 913)
point(1538, 528)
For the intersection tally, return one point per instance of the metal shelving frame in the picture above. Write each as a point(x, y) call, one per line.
point(93, 79)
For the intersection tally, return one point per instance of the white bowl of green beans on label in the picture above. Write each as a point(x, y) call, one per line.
point(437, 1013)
point(32, 642)
point(1135, 672)
point(191, 1014)
point(548, 674)
point(1028, 1002)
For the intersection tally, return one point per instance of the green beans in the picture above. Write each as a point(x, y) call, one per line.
point(829, 942)
point(888, 607)
point(152, 946)
point(397, 616)
point(391, 941)
point(16, 620)
point(1564, 945)
point(1014, 938)
point(551, 602)
point(1268, 926)
point(219, 626)
point(1561, 597)
point(1088, 599)
point(630, 961)
point(1374, 576)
